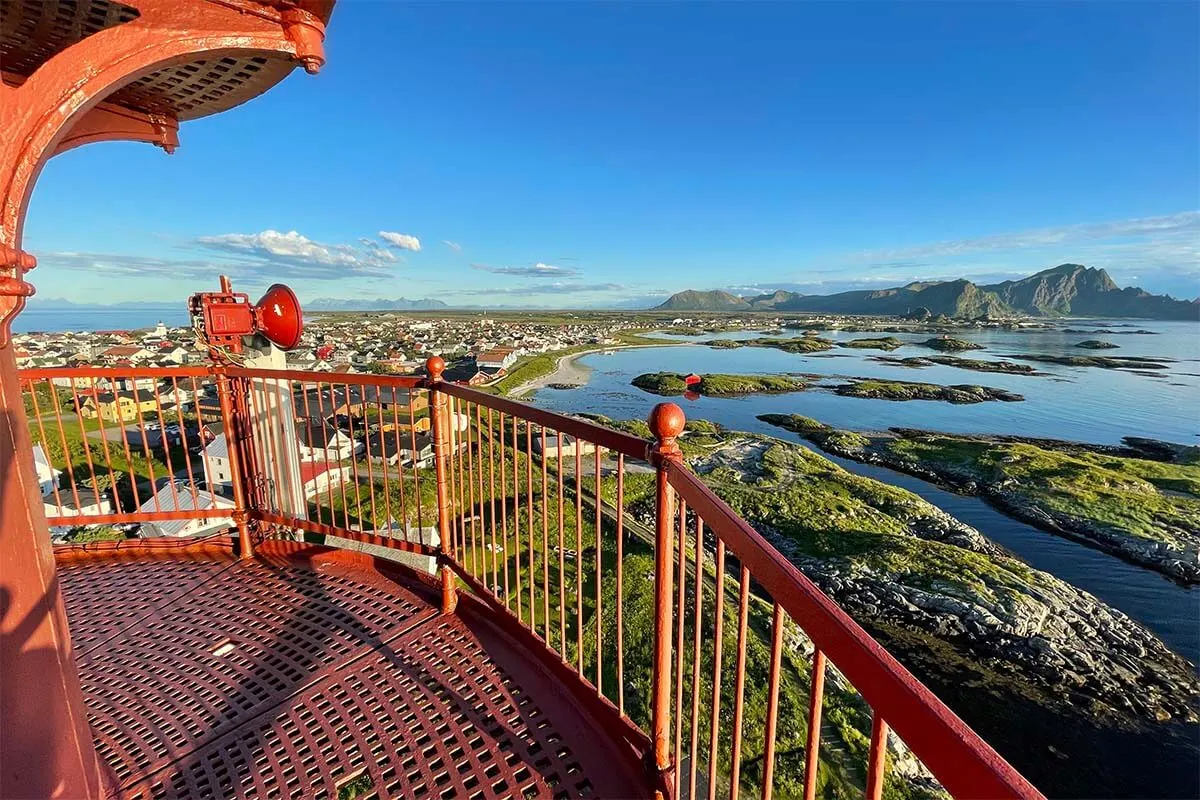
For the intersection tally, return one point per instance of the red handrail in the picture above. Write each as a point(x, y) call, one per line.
point(963, 762)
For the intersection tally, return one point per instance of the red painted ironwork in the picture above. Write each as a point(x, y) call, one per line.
point(666, 423)
point(685, 743)
point(224, 317)
point(323, 665)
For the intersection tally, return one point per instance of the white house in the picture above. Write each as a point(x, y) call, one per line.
point(89, 504)
point(318, 477)
point(317, 440)
point(177, 496)
point(46, 473)
point(176, 354)
point(218, 473)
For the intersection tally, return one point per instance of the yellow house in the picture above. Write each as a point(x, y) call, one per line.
point(119, 406)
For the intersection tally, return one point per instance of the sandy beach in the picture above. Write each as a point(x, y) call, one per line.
point(568, 372)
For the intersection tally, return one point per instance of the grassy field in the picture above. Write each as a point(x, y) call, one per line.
point(719, 385)
point(542, 364)
point(1138, 497)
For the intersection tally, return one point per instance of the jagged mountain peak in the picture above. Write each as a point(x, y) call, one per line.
point(1064, 289)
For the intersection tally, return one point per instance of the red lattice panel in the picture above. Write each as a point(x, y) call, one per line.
point(334, 675)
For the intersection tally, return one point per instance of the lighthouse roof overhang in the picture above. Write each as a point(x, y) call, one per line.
point(32, 32)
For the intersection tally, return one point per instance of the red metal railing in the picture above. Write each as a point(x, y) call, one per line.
point(686, 632)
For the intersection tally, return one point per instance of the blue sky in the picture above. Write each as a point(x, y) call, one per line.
point(575, 155)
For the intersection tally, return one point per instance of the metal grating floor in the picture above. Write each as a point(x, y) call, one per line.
point(296, 677)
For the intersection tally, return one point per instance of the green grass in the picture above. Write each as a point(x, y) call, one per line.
point(950, 344)
point(791, 344)
point(73, 461)
point(529, 534)
point(537, 366)
point(883, 343)
point(1135, 497)
point(907, 390)
point(719, 385)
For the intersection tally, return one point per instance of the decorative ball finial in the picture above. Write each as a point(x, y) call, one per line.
point(666, 422)
point(435, 366)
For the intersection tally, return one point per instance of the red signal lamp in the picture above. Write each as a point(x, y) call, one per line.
point(224, 317)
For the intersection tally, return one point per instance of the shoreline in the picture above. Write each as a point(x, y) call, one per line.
point(566, 371)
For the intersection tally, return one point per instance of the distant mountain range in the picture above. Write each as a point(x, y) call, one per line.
point(399, 304)
point(1068, 289)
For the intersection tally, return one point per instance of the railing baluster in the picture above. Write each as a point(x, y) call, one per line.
point(412, 432)
point(735, 759)
point(504, 513)
point(399, 445)
point(472, 509)
point(697, 614)
point(877, 760)
point(718, 651)
point(162, 439)
point(621, 583)
point(680, 624)
point(358, 504)
point(37, 415)
point(62, 436)
point(183, 443)
point(545, 542)
point(516, 451)
point(384, 467)
point(562, 544)
point(366, 425)
point(816, 698)
point(599, 610)
point(107, 454)
point(529, 526)
point(772, 702)
point(483, 537)
point(87, 449)
point(112, 475)
point(666, 422)
point(234, 428)
point(456, 477)
point(437, 405)
point(579, 555)
point(492, 501)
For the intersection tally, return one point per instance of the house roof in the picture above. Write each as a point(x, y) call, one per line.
point(315, 433)
point(121, 351)
point(310, 470)
point(218, 447)
point(39, 455)
point(176, 495)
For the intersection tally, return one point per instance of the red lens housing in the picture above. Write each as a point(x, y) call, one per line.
point(277, 316)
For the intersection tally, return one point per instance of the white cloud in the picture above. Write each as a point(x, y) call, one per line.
point(557, 287)
point(264, 252)
point(274, 244)
point(1173, 236)
point(538, 270)
point(455, 246)
point(401, 240)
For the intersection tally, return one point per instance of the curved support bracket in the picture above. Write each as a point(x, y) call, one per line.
point(109, 123)
point(14, 263)
point(40, 113)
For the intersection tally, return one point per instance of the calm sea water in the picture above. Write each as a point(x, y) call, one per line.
point(99, 319)
point(1085, 404)
point(1079, 403)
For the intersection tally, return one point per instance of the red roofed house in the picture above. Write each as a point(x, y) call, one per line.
point(132, 353)
point(318, 476)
